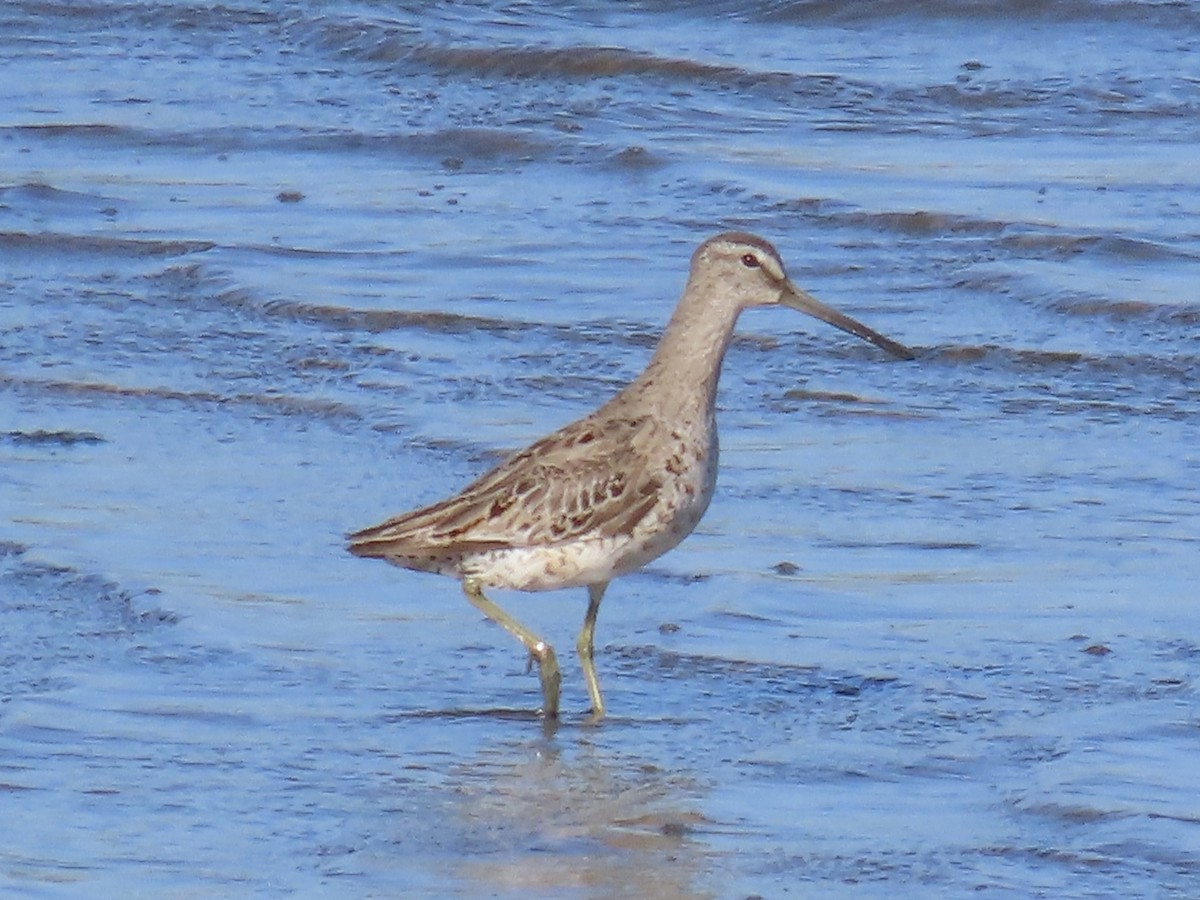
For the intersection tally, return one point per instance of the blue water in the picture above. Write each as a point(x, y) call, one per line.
point(273, 271)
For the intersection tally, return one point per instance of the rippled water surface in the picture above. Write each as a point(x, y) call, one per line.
point(271, 271)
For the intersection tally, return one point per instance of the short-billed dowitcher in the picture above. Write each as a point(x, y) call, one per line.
point(614, 490)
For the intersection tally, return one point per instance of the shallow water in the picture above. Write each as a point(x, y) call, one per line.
point(272, 271)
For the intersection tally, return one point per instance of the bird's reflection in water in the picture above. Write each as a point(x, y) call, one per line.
point(560, 814)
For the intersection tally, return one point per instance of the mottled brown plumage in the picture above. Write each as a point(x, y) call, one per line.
point(607, 493)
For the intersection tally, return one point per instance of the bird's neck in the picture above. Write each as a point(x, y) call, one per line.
point(687, 362)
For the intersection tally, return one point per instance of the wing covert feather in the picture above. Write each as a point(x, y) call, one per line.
point(581, 481)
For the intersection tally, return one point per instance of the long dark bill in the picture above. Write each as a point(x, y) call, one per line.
point(805, 302)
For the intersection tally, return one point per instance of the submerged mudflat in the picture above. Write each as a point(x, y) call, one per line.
point(271, 272)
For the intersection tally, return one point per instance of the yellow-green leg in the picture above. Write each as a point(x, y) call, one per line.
point(538, 649)
point(587, 651)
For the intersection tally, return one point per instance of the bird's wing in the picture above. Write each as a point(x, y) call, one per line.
point(585, 480)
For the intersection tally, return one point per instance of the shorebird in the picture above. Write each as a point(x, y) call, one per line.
point(610, 492)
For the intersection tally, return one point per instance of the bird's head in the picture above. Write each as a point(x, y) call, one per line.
point(750, 271)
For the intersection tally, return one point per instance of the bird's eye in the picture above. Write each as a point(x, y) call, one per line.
point(750, 261)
